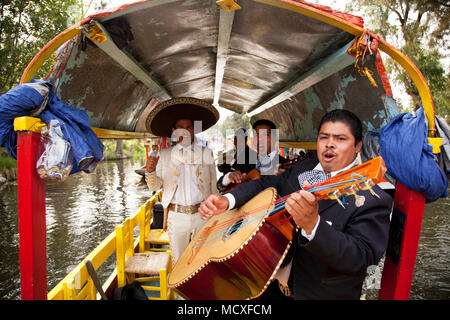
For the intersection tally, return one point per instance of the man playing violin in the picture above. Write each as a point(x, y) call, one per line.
point(244, 161)
point(267, 162)
point(334, 244)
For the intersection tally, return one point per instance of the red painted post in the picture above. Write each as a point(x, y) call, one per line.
point(32, 227)
point(401, 255)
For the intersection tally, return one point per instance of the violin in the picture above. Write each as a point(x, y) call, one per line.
point(254, 174)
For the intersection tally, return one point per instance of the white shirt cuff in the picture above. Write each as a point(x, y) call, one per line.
point(225, 180)
point(231, 200)
point(313, 232)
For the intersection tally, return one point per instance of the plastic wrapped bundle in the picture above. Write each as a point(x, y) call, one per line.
point(55, 163)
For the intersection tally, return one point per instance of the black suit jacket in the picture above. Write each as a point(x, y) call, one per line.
point(248, 165)
point(247, 161)
point(333, 265)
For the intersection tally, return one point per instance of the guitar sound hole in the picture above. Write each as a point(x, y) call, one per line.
point(232, 229)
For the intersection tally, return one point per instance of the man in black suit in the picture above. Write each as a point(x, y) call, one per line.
point(244, 161)
point(267, 162)
point(334, 245)
point(269, 157)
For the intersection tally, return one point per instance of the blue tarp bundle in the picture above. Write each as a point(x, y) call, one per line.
point(28, 100)
point(443, 130)
point(409, 158)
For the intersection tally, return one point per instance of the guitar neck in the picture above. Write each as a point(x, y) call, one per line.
point(362, 177)
point(291, 163)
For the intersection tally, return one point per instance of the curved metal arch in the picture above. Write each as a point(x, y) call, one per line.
point(400, 58)
point(396, 55)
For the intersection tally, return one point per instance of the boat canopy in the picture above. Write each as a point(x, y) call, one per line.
point(286, 61)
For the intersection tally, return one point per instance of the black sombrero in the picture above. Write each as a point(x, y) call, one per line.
point(161, 119)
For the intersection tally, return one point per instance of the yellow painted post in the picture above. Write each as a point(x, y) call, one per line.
point(28, 124)
point(436, 143)
point(163, 283)
point(120, 256)
point(68, 289)
point(142, 233)
point(92, 294)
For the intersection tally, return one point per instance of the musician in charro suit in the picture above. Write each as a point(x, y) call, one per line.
point(334, 245)
point(186, 172)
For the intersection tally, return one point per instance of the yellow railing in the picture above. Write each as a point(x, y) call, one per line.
point(78, 285)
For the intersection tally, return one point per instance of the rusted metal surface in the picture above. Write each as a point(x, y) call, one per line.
point(113, 97)
point(176, 43)
point(343, 90)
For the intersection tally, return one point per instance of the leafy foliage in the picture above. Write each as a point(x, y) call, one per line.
point(420, 28)
point(234, 122)
point(26, 26)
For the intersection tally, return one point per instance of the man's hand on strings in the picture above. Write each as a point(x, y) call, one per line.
point(236, 177)
point(214, 204)
point(304, 208)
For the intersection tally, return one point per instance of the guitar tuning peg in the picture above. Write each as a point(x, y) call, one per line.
point(340, 202)
point(350, 190)
point(367, 185)
point(335, 195)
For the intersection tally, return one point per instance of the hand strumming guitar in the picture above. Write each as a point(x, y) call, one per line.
point(280, 169)
point(236, 177)
point(304, 208)
point(214, 204)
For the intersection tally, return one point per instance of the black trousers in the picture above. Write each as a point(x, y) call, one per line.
point(273, 292)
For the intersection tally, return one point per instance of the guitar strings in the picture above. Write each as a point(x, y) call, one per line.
point(245, 221)
point(354, 177)
point(279, 205)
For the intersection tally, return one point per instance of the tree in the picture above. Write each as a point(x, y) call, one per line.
point(119, 147)
point(25, 27)
point(234, 122)
point(420, 29)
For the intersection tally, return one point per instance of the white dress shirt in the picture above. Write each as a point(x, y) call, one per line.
point(265, 162)
point(188, 191)
point(260, 160)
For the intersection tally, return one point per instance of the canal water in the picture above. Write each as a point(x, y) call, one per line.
point(80, 213)
point(84, 209)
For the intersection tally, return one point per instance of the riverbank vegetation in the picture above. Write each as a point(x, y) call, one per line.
point(121, 149)
point(6, 162)
point(8, 167)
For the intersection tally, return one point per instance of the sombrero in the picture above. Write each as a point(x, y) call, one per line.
point(161, 119)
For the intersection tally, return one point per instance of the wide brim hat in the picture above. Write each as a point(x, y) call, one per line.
point(161, 119)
